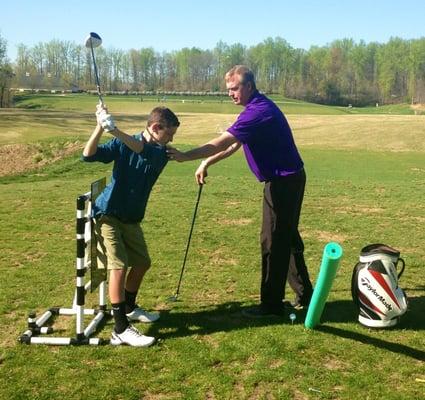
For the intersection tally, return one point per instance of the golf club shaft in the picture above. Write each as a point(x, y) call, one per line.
point(96, 74)
point(188, 241)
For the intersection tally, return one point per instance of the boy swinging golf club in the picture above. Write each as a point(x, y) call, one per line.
point(119, 209)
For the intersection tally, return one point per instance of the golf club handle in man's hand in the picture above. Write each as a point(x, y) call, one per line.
point(201, 173)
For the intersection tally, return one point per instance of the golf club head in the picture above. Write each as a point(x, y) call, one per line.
point(172, 299)
point(93, 40)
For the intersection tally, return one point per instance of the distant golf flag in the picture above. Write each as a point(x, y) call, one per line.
point(332, 253)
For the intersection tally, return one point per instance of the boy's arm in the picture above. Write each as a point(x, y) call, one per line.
point(106, 122)
point(90, 148)
point(131, 142)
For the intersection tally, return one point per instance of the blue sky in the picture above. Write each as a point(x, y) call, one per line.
point(173, 24)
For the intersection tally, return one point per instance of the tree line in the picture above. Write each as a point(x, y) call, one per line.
point(340, 73)
point(6, 75)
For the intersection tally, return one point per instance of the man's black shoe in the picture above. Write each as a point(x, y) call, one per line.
point(263, 312)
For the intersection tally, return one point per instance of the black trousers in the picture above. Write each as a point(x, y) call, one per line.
point(282, 248)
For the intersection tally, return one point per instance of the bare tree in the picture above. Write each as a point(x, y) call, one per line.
point(6, 75)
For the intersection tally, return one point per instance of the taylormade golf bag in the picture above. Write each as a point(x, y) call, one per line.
point(374, 286)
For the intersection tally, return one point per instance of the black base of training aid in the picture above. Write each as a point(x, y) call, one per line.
point(40, 329)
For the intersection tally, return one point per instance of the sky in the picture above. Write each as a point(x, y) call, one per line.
point(169, 25)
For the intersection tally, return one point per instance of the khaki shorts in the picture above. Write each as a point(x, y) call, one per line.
point(120, 245)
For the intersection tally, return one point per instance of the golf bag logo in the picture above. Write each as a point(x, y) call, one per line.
point(375, 289)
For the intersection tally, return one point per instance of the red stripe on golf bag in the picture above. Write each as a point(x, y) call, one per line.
point(384, 285)
point(363, 299)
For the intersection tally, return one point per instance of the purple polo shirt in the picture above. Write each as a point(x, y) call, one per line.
point(267, 139)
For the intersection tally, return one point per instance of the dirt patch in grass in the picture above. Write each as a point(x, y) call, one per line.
point(334, 364)
point(418, 108)
point(220, 257)
point(359, 210)
point(161, 396)
point(235, 222)
point(210, 340)
point(11, 323)
point(19, 158)
point(325, 236)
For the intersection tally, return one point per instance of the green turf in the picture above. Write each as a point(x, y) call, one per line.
point(202, 104)
point(206, 348)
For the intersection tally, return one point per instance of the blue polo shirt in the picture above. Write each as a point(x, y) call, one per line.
point(133, 177)
point(267, 139)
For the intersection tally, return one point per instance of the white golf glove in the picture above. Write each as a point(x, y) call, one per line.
point(100, 108)
point(106, 121)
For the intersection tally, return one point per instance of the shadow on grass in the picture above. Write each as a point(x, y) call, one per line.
point(345, 311)
point(374, 341)
point(222, 318)
point(228, 317)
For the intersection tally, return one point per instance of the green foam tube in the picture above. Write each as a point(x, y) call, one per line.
point(332, 253)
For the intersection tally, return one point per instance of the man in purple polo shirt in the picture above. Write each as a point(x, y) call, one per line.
point(272, 156)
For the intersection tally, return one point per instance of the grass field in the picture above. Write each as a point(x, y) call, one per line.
point(366, 177)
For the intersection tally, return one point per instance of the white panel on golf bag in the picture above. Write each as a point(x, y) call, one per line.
point(375, 289)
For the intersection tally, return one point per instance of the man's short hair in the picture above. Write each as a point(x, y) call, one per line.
point(244, 73)
point(163, 116)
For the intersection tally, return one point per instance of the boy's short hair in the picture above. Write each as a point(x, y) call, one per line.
point(244, 73)
point(163, 116)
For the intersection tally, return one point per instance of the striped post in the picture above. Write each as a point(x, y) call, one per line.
point(80, 265)
point(84, 235)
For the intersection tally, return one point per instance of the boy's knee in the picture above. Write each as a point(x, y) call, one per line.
point(143, 267)
point(146, 267)
point(146, 263)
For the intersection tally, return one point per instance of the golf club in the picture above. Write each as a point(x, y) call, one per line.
point(175, 296)
point(92, 41)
